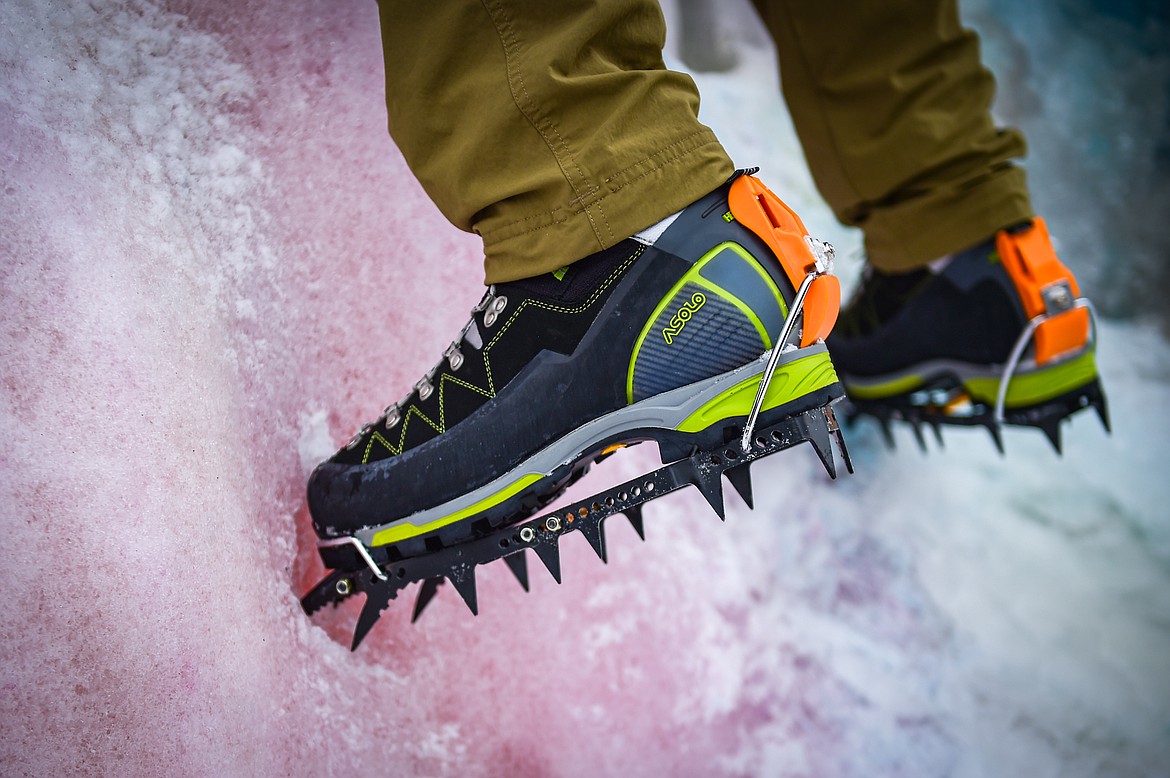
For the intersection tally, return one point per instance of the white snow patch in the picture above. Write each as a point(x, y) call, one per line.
point(315, 443)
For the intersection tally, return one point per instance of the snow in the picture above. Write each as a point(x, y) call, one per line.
point(216, 266)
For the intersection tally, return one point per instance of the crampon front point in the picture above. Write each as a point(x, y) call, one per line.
point(374, 572)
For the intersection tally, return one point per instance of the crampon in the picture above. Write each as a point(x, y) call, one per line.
point(381, 574)
point(944, 402)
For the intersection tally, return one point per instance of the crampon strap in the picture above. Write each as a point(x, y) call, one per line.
point(1047, 289)
point(765, 214)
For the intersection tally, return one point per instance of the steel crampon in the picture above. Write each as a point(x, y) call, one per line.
point(371, 572)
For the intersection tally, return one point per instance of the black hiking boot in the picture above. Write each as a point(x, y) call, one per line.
point(661, 337)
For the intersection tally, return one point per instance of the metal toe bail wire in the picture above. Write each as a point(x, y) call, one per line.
point(1013, 362)
point(777, 347)
point(362, 552)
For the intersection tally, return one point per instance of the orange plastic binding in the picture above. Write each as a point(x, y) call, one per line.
point(754, 206)
point(1034, 268)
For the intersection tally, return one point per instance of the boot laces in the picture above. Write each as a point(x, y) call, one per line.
point(491, 306)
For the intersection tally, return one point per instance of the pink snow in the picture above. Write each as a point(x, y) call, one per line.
point(215, 266)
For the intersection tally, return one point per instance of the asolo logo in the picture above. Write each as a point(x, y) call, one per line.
point(680, 319)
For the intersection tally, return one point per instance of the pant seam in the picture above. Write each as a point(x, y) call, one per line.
point(821, 112)
point(506, 33)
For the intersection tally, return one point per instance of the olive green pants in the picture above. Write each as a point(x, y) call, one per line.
point(554, 130)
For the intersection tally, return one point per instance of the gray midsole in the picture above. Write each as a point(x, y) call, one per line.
point(663, 411)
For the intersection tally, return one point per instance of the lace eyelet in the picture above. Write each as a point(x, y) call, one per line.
point(392, 416)
point(358, 436)
point(454, 356)
point(494, 310)
point(424, 389)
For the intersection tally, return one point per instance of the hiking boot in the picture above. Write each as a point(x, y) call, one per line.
point(994, 334)
point(663, 337)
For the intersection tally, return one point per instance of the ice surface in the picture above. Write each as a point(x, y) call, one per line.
point(216, 266)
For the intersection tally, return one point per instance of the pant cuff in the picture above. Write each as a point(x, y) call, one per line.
point(625, 202)
point(908, 235)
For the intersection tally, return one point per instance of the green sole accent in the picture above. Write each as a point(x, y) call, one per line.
point(789, 382)
point(1036, 387)
point(1025, 388)
point(881, 391)
point(406, 530)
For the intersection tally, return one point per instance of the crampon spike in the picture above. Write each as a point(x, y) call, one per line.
point(463, 579)
point(377, 598)
point(1051, 429)
point(518, 564)
point(936, 428)
point(426, 592)
point(916, 426)
point(996, 438)
point(741, 480)
point(818, 435)
point(324, 593)
point(550, 555)
point(887, 433)
point(835, 430)
point(712, 491)
point(595, 534)
point(634, 514)
point(1102, 409)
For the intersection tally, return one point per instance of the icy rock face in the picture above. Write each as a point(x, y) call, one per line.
point(215, 266)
